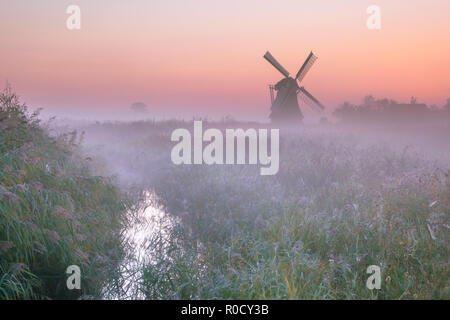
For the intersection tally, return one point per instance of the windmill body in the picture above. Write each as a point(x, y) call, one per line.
point(285, 107)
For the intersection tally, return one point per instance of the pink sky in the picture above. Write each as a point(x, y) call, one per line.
point(206, 56)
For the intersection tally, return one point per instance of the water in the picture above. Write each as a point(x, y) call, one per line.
point(149, 230)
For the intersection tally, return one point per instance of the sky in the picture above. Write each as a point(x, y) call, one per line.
point(206, 57)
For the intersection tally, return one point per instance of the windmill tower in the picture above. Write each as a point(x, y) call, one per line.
point(285, 106)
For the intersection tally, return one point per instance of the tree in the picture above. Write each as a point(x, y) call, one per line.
point(345, 111)
point(447, 106)
point(369, 101)
point(139, 107)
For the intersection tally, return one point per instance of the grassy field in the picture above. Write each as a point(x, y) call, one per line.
point(337, 205)
point(54, 212)
point(340, 203)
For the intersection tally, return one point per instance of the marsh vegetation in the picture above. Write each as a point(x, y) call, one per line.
point(54, 211)
point(341, 201)
point(141, 227)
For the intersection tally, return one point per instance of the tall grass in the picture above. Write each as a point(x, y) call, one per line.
point(336, 207)
point(54, 212)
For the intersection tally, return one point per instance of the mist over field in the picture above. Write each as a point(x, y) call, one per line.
point(347, 195)
point(222, 150)
point(106, 195)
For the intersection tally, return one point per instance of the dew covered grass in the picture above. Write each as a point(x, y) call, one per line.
point(54, 211)
point(337, 206)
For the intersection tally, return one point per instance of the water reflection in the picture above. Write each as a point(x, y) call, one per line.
point(149, 229)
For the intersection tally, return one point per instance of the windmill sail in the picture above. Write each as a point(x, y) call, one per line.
point(306, 66)
point(309, 99)
point(284, 106)
point(276, 64)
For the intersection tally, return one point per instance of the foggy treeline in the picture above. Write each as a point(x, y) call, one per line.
point(387, 110)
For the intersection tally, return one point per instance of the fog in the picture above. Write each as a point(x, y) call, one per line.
point(120, 140)
point(346, 194)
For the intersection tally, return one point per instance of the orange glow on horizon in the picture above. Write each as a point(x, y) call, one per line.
point(209, 56)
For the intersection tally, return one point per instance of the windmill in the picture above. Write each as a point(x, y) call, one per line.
point(285, 106)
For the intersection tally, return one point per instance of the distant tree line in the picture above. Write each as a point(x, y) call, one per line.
point(385, 109)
